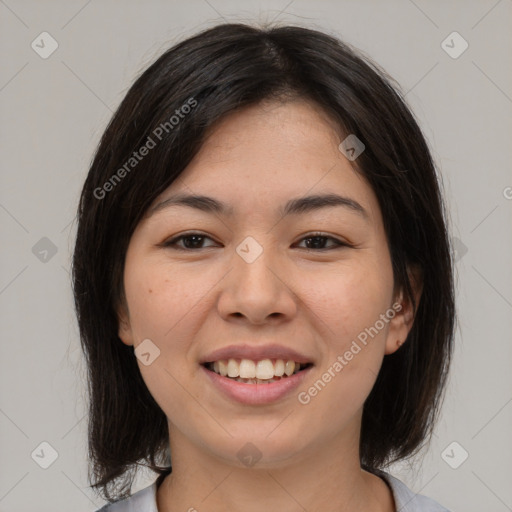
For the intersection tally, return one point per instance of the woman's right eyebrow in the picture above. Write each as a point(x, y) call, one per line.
point(297, 206)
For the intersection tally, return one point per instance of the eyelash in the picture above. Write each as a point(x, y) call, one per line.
point(171, 244)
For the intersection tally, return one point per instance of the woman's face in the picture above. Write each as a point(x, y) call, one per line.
point(272, 276)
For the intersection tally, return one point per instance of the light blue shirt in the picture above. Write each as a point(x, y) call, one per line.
point(405, 500)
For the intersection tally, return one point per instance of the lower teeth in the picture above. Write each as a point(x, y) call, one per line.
point(255, 381)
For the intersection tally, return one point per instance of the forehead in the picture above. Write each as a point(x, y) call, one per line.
point(259, 157)
point(288, 130)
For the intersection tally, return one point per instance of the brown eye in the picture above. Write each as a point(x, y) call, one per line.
point(190, 241)
point(195, 241)
point(316, 241)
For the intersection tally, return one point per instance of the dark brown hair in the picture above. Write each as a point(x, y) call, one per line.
point(223, 69)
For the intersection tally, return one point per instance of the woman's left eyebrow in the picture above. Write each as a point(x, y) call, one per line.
point(297, 206)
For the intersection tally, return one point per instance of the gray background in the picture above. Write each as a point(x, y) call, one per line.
point(53, 112)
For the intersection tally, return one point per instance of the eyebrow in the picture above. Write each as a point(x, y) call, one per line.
point(297, 206)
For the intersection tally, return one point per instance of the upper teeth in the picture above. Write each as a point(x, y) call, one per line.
point(247, 369)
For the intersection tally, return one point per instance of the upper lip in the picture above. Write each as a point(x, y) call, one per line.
point(256, 353)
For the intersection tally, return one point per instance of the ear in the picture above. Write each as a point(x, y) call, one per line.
point(401, 324)
point(125, 331)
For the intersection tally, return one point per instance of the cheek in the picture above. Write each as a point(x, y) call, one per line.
point(160, 299)
point(348, 303)
point(350, 299)
point(164, 306)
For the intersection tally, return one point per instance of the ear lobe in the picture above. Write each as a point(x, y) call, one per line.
point(402, 322)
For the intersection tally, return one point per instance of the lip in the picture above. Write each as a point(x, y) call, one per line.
point(256, 353)
point(256, 394)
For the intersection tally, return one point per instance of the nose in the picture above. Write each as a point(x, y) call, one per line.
point(258, 292)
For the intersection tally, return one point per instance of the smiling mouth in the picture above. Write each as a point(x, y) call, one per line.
point(264, 371)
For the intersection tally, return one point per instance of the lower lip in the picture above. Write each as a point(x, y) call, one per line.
point(256, 394)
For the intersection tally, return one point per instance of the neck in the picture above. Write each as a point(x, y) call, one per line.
point(329, 477)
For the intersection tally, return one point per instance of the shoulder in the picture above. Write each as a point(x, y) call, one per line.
point(142, 501)
point(407, 500)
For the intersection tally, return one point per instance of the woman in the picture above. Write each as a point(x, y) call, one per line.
point(263, 281)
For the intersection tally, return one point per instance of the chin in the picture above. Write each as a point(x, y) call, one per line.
point(259, 448)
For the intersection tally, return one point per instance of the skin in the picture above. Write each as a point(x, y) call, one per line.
point(316, 301)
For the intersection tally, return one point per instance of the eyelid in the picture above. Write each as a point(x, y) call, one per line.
point(172, 242)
